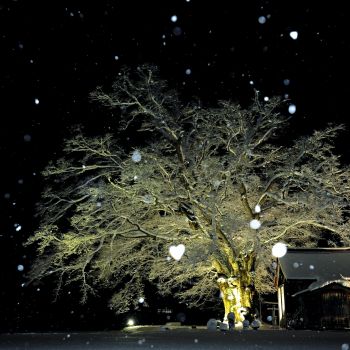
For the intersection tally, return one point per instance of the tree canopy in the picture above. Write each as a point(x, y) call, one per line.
point(198, 177)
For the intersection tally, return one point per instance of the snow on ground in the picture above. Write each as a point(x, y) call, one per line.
point(179, 338)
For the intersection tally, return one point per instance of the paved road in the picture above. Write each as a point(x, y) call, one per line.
point(177, 339)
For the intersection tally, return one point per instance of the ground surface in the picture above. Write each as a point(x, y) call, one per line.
point(157, 337)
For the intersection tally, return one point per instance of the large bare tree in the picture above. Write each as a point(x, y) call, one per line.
point(216, 180)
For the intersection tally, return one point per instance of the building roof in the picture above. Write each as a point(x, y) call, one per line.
point(322, 266)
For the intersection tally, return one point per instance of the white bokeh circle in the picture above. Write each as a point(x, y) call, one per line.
point(279, 250)
point(255, 224)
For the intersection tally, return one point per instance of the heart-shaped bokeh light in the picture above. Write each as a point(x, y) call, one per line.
point(177, 252)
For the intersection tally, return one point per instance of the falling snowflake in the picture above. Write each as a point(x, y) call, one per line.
point(257, 208)
point(173, 18)
point(255, 224)
point(148, 199)
point(177, 31)
point(292, 109)
point(136, 156)
point(294, 35)
point(27, 138)
point(36, 101)
point(20, 267)
point(216, 184)
point(262, 19)
point(188, 71)
point(141, 341)
point(286, 82)
point(279, 250)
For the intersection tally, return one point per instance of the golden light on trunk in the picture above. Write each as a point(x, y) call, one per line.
point(235, 295)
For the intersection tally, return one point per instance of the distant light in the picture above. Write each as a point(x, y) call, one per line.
point(262, 19)
point(20, 267)
point(294, 35)
point(131, 322)
point(173, 18)
point(279, 250)
point(255, 224)
point(36, 101)
point(292, 109)
point(286, 82)
point(188, 71)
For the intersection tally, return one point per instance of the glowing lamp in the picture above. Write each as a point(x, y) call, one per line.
point(130, 322)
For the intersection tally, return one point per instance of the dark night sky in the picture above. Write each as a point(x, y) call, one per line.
point(54, 53)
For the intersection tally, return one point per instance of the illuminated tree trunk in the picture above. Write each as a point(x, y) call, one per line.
point(236, 290)
point(236, 297)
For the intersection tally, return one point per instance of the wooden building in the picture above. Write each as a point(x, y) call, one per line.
point(314, 288)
